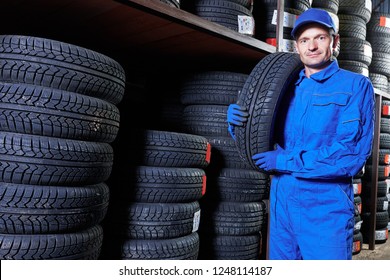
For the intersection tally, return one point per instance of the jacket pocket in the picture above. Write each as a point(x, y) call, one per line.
point(325, 112)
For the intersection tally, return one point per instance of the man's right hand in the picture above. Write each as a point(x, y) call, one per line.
point(236, 116)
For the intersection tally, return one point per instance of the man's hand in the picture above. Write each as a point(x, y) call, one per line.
point(267, 160)
point(236, 116)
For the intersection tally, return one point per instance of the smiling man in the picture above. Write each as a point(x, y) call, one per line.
point(326, 140)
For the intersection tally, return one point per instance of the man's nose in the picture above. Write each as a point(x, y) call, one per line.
point(312, 44)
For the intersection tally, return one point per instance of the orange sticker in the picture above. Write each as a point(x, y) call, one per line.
point(385, 110)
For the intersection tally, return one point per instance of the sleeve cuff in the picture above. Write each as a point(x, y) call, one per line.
point(283, 161)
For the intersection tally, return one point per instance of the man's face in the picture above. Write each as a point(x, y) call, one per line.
point(315, 45)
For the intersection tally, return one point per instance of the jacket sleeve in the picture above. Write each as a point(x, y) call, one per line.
point(352, 145)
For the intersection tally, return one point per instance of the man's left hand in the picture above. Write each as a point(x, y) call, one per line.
point(267, 160)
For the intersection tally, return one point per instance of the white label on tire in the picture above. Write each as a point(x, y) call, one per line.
point(368, 5)
point(246, 25)
point(358, 225)
point(288, 19)
point(381, 234)
point(196, 220)
point(385, 205)
point(367, 50)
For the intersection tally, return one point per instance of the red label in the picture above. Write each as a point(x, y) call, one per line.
point(385, 110)
point(387, 159)
point(208, 153)
point(271, 41)
point(204, 179)
point(356, 246)
point(387, 170)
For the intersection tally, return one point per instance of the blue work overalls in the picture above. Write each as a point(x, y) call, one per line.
point(328, 137)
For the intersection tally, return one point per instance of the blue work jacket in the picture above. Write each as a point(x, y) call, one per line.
point(329, 125)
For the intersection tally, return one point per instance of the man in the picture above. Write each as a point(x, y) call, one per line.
point(326, 141)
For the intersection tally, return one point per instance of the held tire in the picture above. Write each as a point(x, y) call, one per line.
point(261, 95)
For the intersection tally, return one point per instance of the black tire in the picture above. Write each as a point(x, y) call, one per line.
point(385, 125)
point(221, 12)
point(238, 185)
point(328, 5)
point(262, 95)
point(354, 66)
point(39, 160)
point(82, 245)
point(206, 120)
point(50, 63)
point(375, 28)
point(169, 149)
point(379, 81)
point(232, 218)
point(140, 220)
point(180, 248)
point(27, 209)
point(49, 112)
point(355, 7)
point(164, 184)
point(224, 154)
point(352, 26)
point(355, 49)
point(224, 247)
point(211, 87)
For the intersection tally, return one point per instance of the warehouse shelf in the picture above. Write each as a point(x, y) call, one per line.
point(139, 33)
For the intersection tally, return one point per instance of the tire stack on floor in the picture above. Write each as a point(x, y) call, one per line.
point(357, 235)
point(233, 211)
point(155, 212)
point(58, 116)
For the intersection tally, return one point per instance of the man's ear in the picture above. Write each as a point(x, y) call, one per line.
point(336, 39)
point(295, 47)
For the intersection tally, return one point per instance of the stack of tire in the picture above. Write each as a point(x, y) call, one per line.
point(233, 210)
point(378, 34)
point(355, 51)
point(154, 211)
point(265, 13)
point(233, 14)
point(357, 235)
point(381, 211)
point(58, 116)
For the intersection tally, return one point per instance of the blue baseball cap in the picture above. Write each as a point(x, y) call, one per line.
point(313, 15)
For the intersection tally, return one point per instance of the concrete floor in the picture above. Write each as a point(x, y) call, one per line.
point(381, 252)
